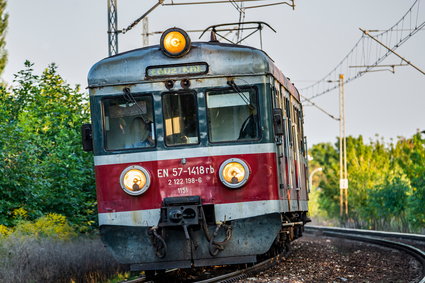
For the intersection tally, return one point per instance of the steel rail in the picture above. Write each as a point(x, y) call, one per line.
point(232, 276)
point(249, 271)
point(384, 234)
point(352, 234)
point(143, 278)
point(375, 237)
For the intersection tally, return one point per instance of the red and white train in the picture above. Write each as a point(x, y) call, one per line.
point(200, 157)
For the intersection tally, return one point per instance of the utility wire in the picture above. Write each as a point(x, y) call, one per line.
point(210, 2)
point(239, 7)
point(366, 52)
point(402, 58)
point(320, 108)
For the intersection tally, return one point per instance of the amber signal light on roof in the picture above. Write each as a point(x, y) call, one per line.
point(175, 42)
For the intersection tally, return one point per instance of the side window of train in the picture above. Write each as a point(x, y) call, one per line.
point(284, 106)
point(233, 116)
point(294, 128)
point(297, 122)
point(180, 118)
point(300, 131)
point(128, 125)
point(288, 119)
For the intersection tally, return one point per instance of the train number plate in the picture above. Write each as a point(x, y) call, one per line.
point(176, 70)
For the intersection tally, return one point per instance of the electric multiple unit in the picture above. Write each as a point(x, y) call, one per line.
point(200, 157)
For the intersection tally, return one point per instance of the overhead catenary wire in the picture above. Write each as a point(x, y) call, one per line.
point(404, 59)
point(172, 3)
point(133, 24)
point(241, 11)
point(320, 108)
point(292, 4)
point(364, 53)
point(113, 30)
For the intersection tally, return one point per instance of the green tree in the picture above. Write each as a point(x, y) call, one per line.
point(44, 169)
point(327, 157)
point(390, 205)
point(4, 17)
point(409, 154)
point(369, 166)
point(386, 183)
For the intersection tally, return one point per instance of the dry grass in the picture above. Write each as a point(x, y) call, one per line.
point(25, 259)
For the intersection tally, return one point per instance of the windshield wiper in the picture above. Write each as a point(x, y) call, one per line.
point(128, 96)
point(245, 99)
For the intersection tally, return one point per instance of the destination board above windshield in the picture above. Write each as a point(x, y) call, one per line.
point(176, 70)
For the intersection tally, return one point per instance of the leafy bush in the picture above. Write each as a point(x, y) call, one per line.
point(51, 226)
point(386, 183)
point(43, 168)
point(389, 205)
point(4, 231)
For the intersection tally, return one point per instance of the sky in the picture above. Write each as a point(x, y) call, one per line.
point(310, 41)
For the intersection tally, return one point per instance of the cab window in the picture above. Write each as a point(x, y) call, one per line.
point(180, 118)
point(232, 115)
point(128, 125)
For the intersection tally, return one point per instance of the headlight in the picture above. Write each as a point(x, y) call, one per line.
point(135, 180)
point(175, 42)
point(234, 173)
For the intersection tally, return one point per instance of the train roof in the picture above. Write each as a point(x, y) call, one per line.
point(222, 59)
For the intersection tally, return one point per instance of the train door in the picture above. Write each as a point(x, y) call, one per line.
point(298, 148)
point(287, 145)
point(303, 160)
point(279, 139)
point(292, 155)
point(292, 196)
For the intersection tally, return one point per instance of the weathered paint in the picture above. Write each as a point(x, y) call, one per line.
point(223, 60)
point(199, 176)
point(223, 212)
point(253, 210)
point(131, 245)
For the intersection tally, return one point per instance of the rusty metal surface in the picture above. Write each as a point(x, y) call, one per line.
point(224, 60)
point(132, 245)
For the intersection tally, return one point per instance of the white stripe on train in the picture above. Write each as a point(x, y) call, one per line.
point(223, 212)
point(184, 153)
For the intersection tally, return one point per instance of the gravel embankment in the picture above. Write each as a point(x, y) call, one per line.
point(324, 259)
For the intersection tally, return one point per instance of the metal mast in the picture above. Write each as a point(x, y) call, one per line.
point(145, 31)
point(343, 176)
point(112, 27)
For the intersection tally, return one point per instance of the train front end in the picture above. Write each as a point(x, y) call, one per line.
point(185, 154)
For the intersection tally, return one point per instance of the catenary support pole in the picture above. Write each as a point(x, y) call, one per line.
point(112, 27)
point(343, 175)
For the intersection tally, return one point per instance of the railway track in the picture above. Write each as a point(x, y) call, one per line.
point(398, 240)
point(376, 237)
point(228, 277)
point(408, 243)
point(247, 272)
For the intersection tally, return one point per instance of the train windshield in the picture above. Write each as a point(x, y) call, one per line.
point(232, 115)
point(180, 118)
point(128, 124)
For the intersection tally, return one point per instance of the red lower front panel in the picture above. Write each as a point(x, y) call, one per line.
point(198, 176)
